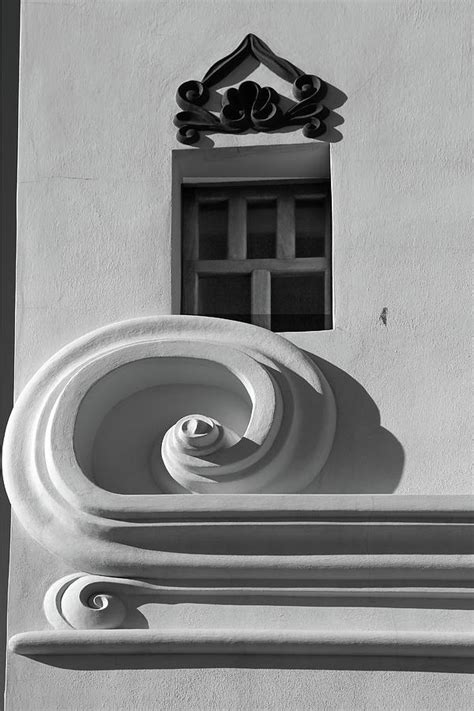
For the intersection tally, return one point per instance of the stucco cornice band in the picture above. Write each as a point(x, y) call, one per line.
point(223, 641)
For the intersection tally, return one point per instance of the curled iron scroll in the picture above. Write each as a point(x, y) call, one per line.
point(250, 106)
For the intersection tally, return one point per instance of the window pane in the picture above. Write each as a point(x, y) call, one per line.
point(298, 302)
point(213, 230)
point(225, 296)
point(261, 229)
point(310, 216)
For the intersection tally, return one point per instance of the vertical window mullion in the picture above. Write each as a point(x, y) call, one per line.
point(237, 228)
point(285, 248)
point(261, 298)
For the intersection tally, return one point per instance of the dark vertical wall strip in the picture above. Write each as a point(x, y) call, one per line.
point(10, 14)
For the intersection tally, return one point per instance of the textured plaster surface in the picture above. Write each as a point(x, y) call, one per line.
point(128, 684)
point(96, 102)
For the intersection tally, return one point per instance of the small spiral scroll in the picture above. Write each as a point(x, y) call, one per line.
point(85, 602)
point(198, 450)
point(308, 86)
point(197, 433)
point(313, 128)
point(192, 93)
point(187, 135)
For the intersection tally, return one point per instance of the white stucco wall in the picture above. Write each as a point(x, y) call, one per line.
point(96, 134)
point(94, 216)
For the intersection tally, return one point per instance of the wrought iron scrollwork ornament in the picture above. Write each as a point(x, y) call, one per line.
point(250, 106)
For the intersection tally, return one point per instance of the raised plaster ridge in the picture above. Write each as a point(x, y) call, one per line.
point(230, 641)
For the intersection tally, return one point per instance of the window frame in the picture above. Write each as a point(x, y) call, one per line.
point(285, 191)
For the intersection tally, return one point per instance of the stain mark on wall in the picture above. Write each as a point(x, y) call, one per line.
point(383, 316)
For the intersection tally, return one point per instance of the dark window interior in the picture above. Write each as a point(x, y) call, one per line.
point(304, 311)
point(261, 229)
point(213, 230)
point(259, 253)
point(225, 296)
point(310, 226)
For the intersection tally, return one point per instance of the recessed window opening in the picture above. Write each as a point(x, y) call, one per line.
point(259, 253)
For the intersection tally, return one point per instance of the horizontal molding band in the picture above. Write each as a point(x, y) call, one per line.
point(304, 539)
point(275, 595)
point(230, 641)
point(373, 570)
point(284, 507)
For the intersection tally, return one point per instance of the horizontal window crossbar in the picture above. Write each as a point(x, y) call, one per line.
point(247, 266)
point(254, 192)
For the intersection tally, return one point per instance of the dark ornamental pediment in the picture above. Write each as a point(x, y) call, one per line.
point(250, 106)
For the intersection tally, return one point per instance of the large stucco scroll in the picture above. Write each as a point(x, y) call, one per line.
point(140, 410)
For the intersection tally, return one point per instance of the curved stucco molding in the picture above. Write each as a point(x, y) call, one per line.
point(265, 425)
point(93, 614)
point(94, 602)
point(83, 411)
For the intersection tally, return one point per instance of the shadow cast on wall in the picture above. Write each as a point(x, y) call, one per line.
point(365, 457)
point(103, 662)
